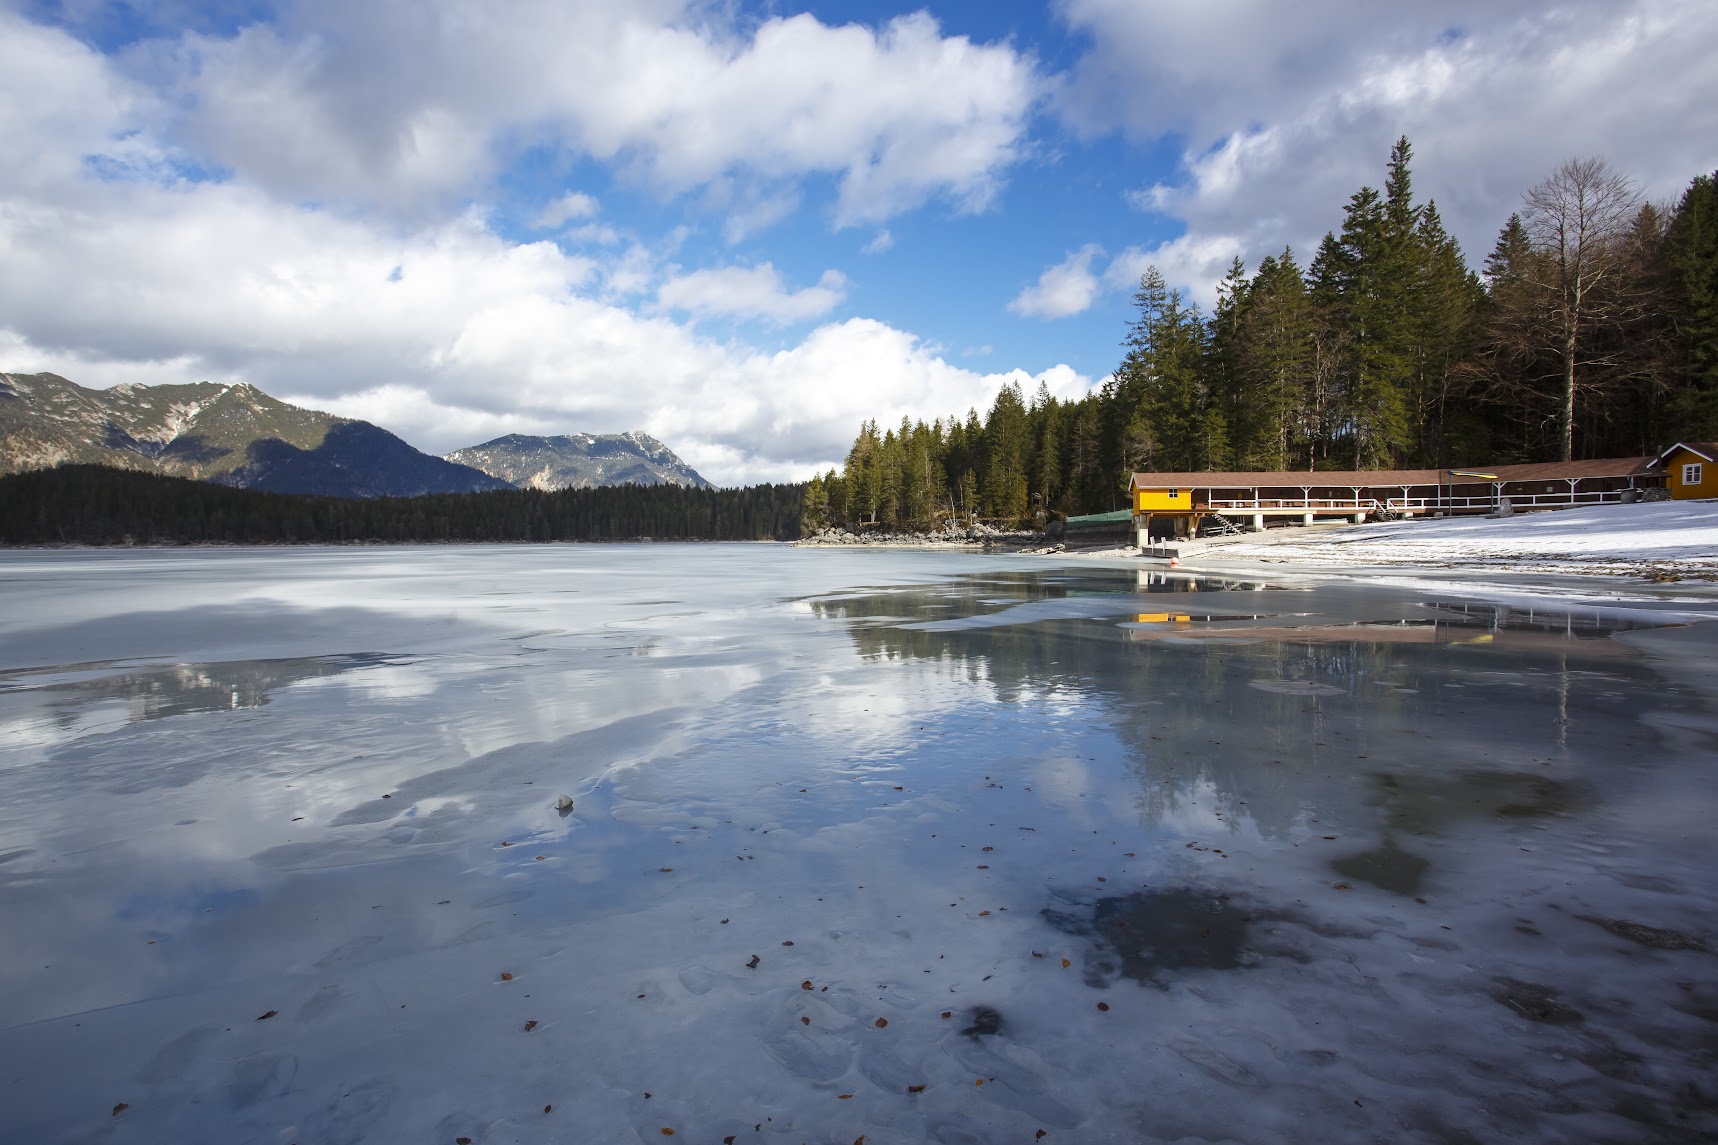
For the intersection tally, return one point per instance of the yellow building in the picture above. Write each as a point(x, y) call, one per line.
point(1690, 469)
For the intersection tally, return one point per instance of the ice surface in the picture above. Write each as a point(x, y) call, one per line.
point(280, 859)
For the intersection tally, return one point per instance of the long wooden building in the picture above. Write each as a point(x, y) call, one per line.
point(1176, 503)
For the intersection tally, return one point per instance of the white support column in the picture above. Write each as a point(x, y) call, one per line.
point(1306, 518)
point(1360, 518)
point(1258, 522)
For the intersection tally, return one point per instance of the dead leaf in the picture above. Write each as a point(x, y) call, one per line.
point(1129, 855)
point(987, 848)
point(462, 1141)
point(1037, 954)
point(546, 1108)
point(1039, 1136)
point(789, 942)
point(540, 858)
point(804, 1021)
point(753, 964)
point(665, 870)
point(1341, 886)
point(121, 1108)
point(948, 1014)
point(267, 1016)
point(806, 985)
point(505, 843)
point(728, 1140)
point(507, 976)
point(724, 922)
point(1104, 1006)
point(531, 1025)
point(843, 1097)
point(984, 866)
point(667, 1132)
point(980, 1081)
point(1066, 964)
point(880, 1023)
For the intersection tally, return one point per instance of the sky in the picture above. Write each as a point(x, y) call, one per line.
point(745, 227)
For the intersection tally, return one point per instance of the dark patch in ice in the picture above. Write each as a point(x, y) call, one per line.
point(260, 1077)
point(1652, 936)
point(1649, 883)
point(983, 1021)
point(174, 1058)
point(1386, 867)
point(349, 1119)
point(1421, 803)
point(1534, 1002)
point(1151, 935)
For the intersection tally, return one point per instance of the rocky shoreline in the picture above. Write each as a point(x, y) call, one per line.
point(953, 535)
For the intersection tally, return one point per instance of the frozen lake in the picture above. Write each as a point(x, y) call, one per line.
point(901, 846)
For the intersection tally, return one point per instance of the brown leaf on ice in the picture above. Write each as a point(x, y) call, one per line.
point(844, 1097)
point(1341, 886)
point(507, 975)
point(1037, 954)
point(667, 1132)
point(915, 1089)
point(984, 866)
point(948, 1014)
point(880, 1023)
point(121, 1108)
point(724, 922)
point(1066, 964)
point(804, 1021)
point(789, 942)
point(729, 1139)
point(1039, 1136)
point(546, 1108)
point(665, 870)
point(980, 1081)
point(806, 985)
point(1104, 1006)
point(267, 1016)
point(462, 1141)
point(1129, 855)
point(987, 848)
point(983, 913)
point(531, 1025)
point(1330, 836)
point(505, 843)
point(753, 964)
point(540, 858)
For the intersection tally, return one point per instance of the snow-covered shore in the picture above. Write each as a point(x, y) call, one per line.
point(1657, 540)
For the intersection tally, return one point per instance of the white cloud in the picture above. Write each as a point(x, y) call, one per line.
point(750, 292)
point(404, 102)
point(572, 205)
point(1066, 288)
point(442, 331)
point(1287, 110)
point(880, 242)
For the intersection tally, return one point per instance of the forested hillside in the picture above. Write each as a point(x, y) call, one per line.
point(1590, 331)
point(94, 505)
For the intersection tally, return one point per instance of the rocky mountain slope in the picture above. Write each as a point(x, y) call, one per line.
point(579, 461)
point(229, 434)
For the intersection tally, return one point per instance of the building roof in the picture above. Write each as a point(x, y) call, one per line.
point(1706, 450)
point(1368, 478)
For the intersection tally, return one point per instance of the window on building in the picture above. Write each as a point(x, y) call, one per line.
point(1691, 474)
point(1177, 492)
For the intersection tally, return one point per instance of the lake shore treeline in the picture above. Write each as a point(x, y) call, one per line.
point(96, 505)
point(1590, 331)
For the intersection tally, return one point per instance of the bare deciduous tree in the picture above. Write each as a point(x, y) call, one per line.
point(1578, 219)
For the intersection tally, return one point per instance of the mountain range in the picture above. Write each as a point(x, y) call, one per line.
point(238, 435)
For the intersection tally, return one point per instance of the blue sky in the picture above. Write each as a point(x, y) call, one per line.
point(743, 227)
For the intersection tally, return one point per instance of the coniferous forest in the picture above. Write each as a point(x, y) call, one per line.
point(1590, 330)
point(95, 505)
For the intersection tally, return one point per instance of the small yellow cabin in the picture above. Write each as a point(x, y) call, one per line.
point(1161, 500)
point(1690, 469)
